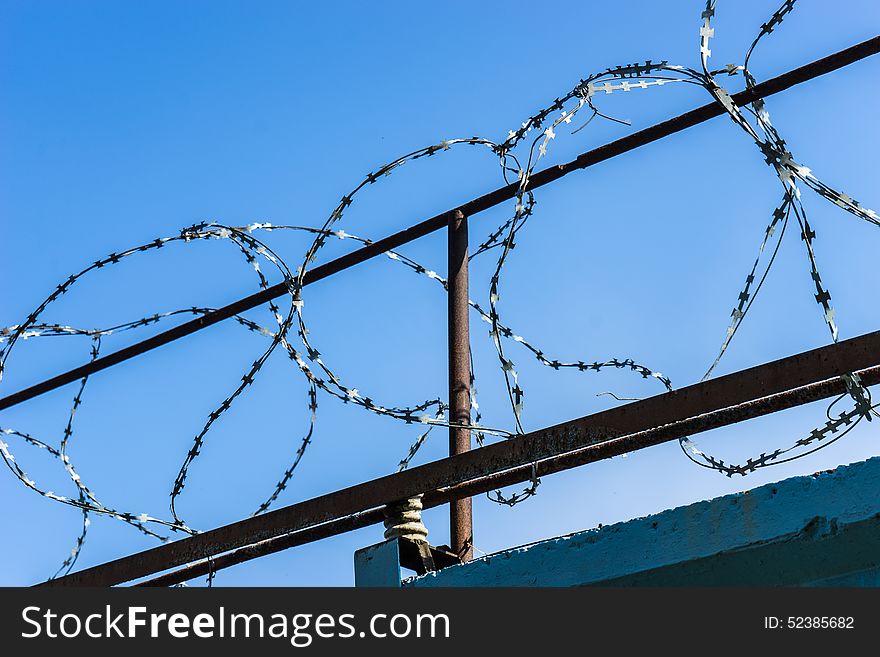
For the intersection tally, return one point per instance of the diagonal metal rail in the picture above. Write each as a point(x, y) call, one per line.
point(469, 209)
point(584, 456)
point(788, 382)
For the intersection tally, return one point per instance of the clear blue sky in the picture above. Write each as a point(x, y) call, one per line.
point(122, 122)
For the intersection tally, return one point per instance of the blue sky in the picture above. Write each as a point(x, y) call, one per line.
point(123, 122)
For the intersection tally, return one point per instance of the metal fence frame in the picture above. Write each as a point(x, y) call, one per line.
point(757, 391)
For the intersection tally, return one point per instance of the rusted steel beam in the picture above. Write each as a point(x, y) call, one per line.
point(652, 414)
point(270, 546)
point(469, 209)
point(461, 524)
point(590, 454)
point(642, 439)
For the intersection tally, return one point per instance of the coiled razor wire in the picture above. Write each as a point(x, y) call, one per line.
point(537, 132)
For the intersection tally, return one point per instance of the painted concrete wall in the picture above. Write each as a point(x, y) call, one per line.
point(819, 530)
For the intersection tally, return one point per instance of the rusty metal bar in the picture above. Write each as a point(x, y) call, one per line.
point(461, 525)
point(469, 209)
point(643, 439)
point(648, 415)
point(270, 546)
point(590, 454)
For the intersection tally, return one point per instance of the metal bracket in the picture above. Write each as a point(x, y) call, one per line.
point(379, 565)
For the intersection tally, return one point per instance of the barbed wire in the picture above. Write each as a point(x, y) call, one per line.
point(536, 134)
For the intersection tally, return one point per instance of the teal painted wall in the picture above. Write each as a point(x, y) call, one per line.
point(819, 530)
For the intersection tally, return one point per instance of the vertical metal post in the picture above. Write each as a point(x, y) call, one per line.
point(460, 514)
